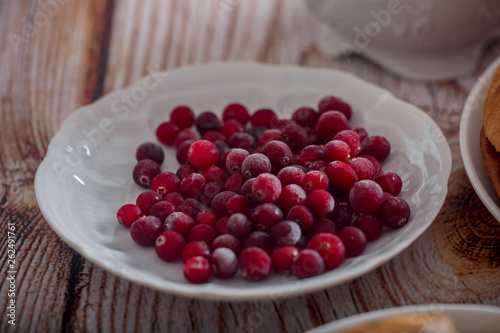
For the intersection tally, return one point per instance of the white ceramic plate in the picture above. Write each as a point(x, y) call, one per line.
point(468, 318)
point(470, 128)
point(86, 175)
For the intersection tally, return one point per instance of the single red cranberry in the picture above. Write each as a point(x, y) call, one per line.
point(269, 135)
point(341, 175)
point(363, 167)
point(206, 217)
point(230, 127)
point(207, 121)
point(242, 140)
point(203, 154)
point(376, 146)
point(195, 248)
point(254, 165)
point(330, 248)
point(322, 226)
point(162, 210)
point(291, 175)
point(302, 216)
point(166, 133)
point(305, 116)
point(185, 171)
point(203, 232)
point(166, 182)
point(263, 117)
point(213, 136)
point(229, 241)
point(375, 162)
point(179, 222)
point(190, 207)
point(366, 196)
point(255, 263)
point(336, 150)
point(290, 196)
point(144, 172)
point(282, 258)
point(174, 197)
point(295, 137)
point(354, 241)
point(320, 202)
point(146, 200)
point(351, 138)
point(330, 123)
point(308, 264)
point(370, 225)
point(182, 152)
point(318, 165)
point(211, 189)
point(182, 116)
point(333, 103)
point(278, 153)
point(169, 246)
point(236, 111)
point(265, 216)
point(219, 203)
point(310, 154)
point(266, 188)
point(197, 269)
point(314, 180)
point(145, 230)
point(192, 185)
point(344, 215)
point(239, 226)
point(238, 204)
point(394, 212)
point(151, 151)
point(235, 182)
point(128, 214)
point(224, 263)
point(221, 225)
point(360, 131)
point(185, 135)
point(285, 233)
point(390, 182)
point(215, 174)
point(235, 159)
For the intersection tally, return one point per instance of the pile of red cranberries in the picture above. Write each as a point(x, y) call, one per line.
point(256, 193)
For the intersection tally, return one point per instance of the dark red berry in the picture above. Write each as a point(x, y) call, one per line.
point(145, 230)
point(344, 215)
point(162, 210)
point(206, 217)
point(354, 241)
point(336, 150)
point(146, 200)
point(290, 196)
point(295, 137)
point(394, 212)
point(211, 189)
point(330, 248)
point(192, 185)
point(191, 207)
point(265, 216)
point(166, 182)
point(151, 151)
point(203, 232)
point(221, 225)
point(238, 204)
point(370, 225)
point(375, 162)
point(283, 257)
point(185, 135)
point(213, 136)
point(193, 249)
point(322, 226)
point(261, 240)
point(310, 154)
point(314, 180)
point(351, 138)
point(182, 116)
point(185, 171)
point(263, 117)
point(266, 188)
point(167, 132)
point(308, 264)
point(390, 182)
point(219, 203)
point(302, 216)
point(290, 175)
point(254, 165)
point(197, 269)
point(366, 196)
point(175, 198)
point(230, 127)
point(242, 140)
point(224, 263)
point(203, 154)
point(330, 123)
point(255, 263)
point(182, 151)
point(278, 153)
point(236, 111)
point(215, 174)
point(179, 222)
point(333, 103)
point(320, 202)
point(235, 182)
point(285, 233)
point(269, 135)
point(207, 121)
point(363, 167)
point(169, 246)
point(128, 214)
point(376, 146)
point(341, 175)
point(239, 226)
point(229, 241)
point(305, 116)
point(235, 159)
point(144, 172)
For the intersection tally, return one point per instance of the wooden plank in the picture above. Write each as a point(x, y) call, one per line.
point(49, 67)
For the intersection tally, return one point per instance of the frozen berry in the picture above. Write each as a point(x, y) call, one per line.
point(333, 103)
point(370, 225)
point(363, 167)
point(314, 180)
point(341, 175)
point(185, 171)
point(166, 133)
point(238, 204)
point(234, 160)
point(179, 222)
point(185, 135)
point(320, 202)
point(278, 153)
point(290, 196)
point(310, 154)
point(305, 116)
point(234, 183)
point(302, 216)
point(255, 263)
point(322, 226)
point(192, 185)
point(336, 150)
point(376, 146)
point(145, 230)
point(354, 241)
point(308, 264)
point(151, 151)
point(207, 121)
point(203, 154)
point(197, 269)
point(254, 165)
point(213, 136)
point(230, 127)
point(182, 151)
point(203, 232)
point(128, 214)
point(144, 172)
point(146, 200)
point(330, 248)
point(162, 210)
point(206, 217)
point(175, 198)
point(269, 135)
point(265, 216)
point(263, 117)
point(295, 137)
point(390, 182)
point(282, 258)
point(366, 196)
point(219, 203)
point(195, 248)
point(166, 182)
point(266, 188)
point(182, 116)
point(343, 215)
point(394, 212)
point(224, 263)
point(229, 241)
point(242, 140)
point(236, 111)
point(285, 233)
point(290, 175)
point(261, 240)
point(351, 138)
point(169, 246)
point(190, 206)
point(239, 226)
point(330, 123)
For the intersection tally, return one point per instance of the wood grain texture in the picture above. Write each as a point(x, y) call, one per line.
point(91, 48)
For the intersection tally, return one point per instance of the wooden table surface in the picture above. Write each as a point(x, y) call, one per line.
point(62, 55)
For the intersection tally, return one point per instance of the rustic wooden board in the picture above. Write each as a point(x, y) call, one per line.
point(87, 49)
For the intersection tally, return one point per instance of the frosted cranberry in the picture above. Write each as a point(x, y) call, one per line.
point(310, 154)
point(224, 263)
point(203, 232)
point(221, 225)
point(295, 137)
point(285, 233)
point(207, 121)
point(145, 230)
point(238, 204)
point(390, 182)
point(290, 175)
point(206, 217)
point(376, 146)
point(151, 151)
point(213, 136)
point(215, 174)
point(265, 216)
point(305, 116)
point(185, 135)
point(175, 198)
point(197, 270)
point(235, 160)
point(179, 222)
point(313, 137)
point(230, 127)
point(254, 165)
point(182, 116)
point(344, 215)
point(290, 196)
point(192, 185)
point(185, 171)
point(166, 133)
point(320, 202)
point(394, 212)
point(282, 258)
point(128, 214)
point(269, 135)
point(333, 103)
point(302, 216)
point(318, 165)
point(363, 167)
point(190, 207)
point(182, 151)
point(219, 203)
point(166, 182)
point(229, 241)
point(351, 138)
point(354, 241)
point(366, 196)
point(336, 150)
point(370, 225)
point(263, 117)
point(195, 248)
point(375, 162)
point(322, 226)
point(278, 153)
point(242, 140)
point(222, 146)
point(236, 111)
point(282, 123)
point(162, 210)
point(169, 246)
point(234, 183)
point(308, 264)
point(146, 200)
point(211, 189)
point(341, 175)
point(203, 154)
point(239, 226)
point(360, 131)
point(314, 180)
point(261, 240)
point(144, 172)
point(330, 123)
point(330, 248)
point(246, 190)
point(255, 263)
point(266, 188)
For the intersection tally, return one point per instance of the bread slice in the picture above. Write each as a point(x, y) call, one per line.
point(491, 111)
